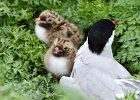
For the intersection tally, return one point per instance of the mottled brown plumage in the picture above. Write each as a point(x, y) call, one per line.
point(57, 26)
point(59, 58)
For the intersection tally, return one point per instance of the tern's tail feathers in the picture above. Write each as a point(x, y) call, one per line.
point(135, 82)
point(130, 85)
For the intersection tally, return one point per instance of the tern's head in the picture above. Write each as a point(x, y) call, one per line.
point(100, 34)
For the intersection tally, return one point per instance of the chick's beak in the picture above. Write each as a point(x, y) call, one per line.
point(38, 21)
point(115, 22)
point(57, 50)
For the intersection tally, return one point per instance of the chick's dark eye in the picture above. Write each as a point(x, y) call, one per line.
point(65, 48)
point(49, 20)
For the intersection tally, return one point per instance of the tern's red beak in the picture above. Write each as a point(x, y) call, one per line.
point(115, 22)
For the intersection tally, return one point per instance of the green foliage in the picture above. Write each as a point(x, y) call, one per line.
point(84, 13)
point(21, 53)
point(65, 93)
point(11, 95)
point(38, 88)
point(127, 48)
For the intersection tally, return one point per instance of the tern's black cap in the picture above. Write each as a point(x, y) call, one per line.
point(99, 34)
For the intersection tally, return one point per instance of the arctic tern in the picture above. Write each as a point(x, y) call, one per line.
point(95, 72)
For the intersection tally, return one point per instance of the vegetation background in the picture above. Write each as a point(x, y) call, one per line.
point(21, 53)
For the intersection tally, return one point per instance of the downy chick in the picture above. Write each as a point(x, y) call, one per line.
point(50, 25)
point(59, 58)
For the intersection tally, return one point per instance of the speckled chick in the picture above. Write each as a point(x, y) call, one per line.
point(59, 58)
point(50, 25)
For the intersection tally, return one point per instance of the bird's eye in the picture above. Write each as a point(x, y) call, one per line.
point(65, 48)
point(49, 20)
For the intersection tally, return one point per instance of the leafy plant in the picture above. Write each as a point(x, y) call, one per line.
point(127, 48)
point(21, 53)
